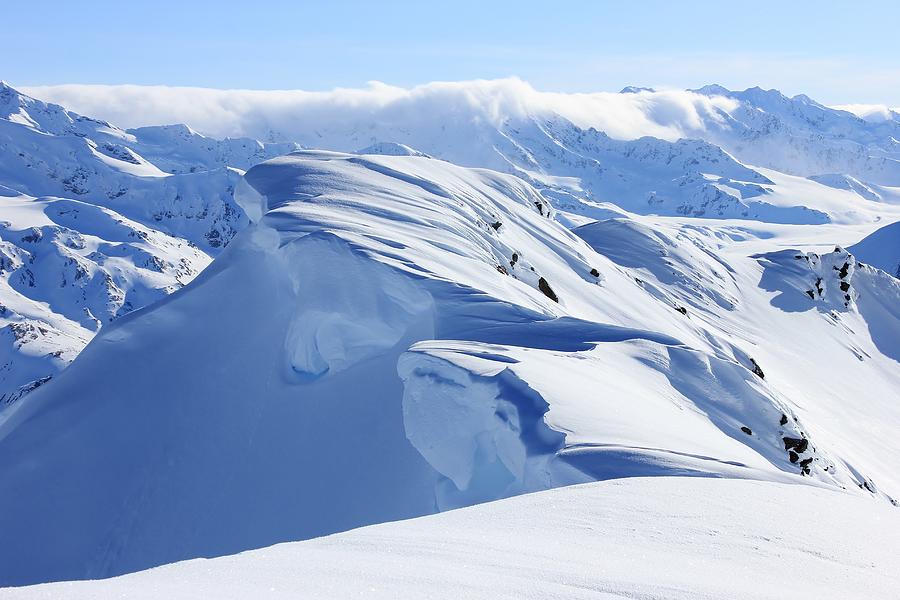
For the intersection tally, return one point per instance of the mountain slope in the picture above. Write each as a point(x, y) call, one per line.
point(97, 221)
point(638, 538)
point(501, 354)
point(881, 249)
point(577, 148)
point(173, 180)
point(799, 136)
point(67, 268)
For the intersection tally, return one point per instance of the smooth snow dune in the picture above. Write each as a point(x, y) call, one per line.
point(881, 249)
point(263, 404)
point(645, 539)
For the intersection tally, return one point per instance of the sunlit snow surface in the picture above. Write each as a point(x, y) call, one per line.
point(398, 335)
point(661, 538)
point(96, 222)
point(175, 181)
point(388, 335)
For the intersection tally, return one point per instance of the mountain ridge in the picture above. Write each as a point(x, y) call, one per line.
point(566, 307)
point(478, 323)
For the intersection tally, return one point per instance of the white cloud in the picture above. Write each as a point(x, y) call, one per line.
point(295, 114)
point(875, 113)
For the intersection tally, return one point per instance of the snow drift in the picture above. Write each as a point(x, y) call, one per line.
point(881, 249)
point(397, 335)
point(666, 537)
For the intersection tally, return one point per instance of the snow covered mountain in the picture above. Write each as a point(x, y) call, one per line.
point(431, 313)
point(698, 175)
point(96, 222)
point(507, 125)
point(799, 136)
point(67, 267)
point(170, 177)
point(501, 354)
point(178, 186)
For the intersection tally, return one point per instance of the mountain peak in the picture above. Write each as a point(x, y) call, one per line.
point(757, 93)
point(713, 89)
point(631, 89)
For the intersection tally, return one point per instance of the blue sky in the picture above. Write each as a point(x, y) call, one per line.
point(834, 51)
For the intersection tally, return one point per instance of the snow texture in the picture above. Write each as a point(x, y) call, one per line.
point(642, 538)
point(501, 354)
point(514, 292)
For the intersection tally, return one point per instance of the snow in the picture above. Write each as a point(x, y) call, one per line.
point(110, 230)
point(67, 267)
point(642, 538)
point(382, 333)
point(245, 423)
point(759, 127)
point(875, 113)
point(845, 182)
point(881, 249)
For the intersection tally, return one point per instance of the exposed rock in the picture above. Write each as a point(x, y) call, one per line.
point(756, 370)
point(747, 430)
point(547, 290)
point(799, 444)
point(842, 273)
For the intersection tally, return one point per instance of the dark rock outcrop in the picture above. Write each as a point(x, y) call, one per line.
point(547, 290)
point(756, 370)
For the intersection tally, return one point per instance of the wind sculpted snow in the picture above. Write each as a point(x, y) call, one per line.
point(397, 335)
point(585, 163)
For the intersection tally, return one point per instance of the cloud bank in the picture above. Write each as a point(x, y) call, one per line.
point(297, 114)
point(874, 113)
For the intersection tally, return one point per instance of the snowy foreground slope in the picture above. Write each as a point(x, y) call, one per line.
point(397, 336)
point(641, 538)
